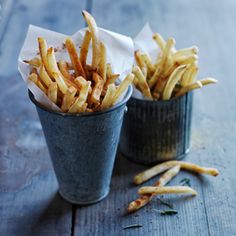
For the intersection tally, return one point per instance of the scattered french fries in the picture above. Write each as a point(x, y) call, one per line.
point(158, 169)
point(172, 168)
point(172, 75)
point(144, 199)
point(76, 86)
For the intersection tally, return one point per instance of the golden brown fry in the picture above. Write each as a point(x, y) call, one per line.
point(43, 53)
point(84, 48)
point(159, 40)
point(83, 108)
point(156, 78)
point(68, 98)
point(54, 71)
point(34, 78)
point(122, 87)
point(107, 100)
point(142, 83)
point(79, 102)
point(144, 199)
point(79, 71)
point(44, 76)
point(207, 81)
point(167, 190)
point(110, 80)
point(188, 88)
point(139, 59)
point(97, 89)
point(52, 92)
point(172, 81)
point(95, 41)
point(183, 60)
point(102, 67)
point(193, 75)
point(189, 74)
point(64, 69)
point(35, 62)
point(157, 169)
point(185, 52)
point(147, 60)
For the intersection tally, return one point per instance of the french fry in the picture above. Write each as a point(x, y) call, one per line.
point(84, 48)
point(81, 100)
point(107, 100)
point(102, 68)
point(54, 71)
point(193, 74)
point(144, 199)
point(187, 76)
point(68, 98)
point(147, 60)
point(167, 190)
point(42, 44)
point(35, 62)
point(95, 41)
point(83, 108)
point(44, 76)
point(139, 59)
point(142, 83)
point(97, 89)
point(122, 87)
point(109, 70)
point(64, 69)
point(156, 78)
point(34, 78)
point(188, 88)
point(79, 71)
point(159, 40)
point(172, 81)
point(185, 52)
point(52, 92)
point(207, 81)
point(158, 169)
point(183, 60)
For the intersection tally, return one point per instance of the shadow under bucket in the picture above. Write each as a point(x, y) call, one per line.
point(156, 131)
point(83, 149)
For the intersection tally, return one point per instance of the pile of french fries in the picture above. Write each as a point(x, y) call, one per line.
point(170, 169)
point(172, 75)
point(76, 86)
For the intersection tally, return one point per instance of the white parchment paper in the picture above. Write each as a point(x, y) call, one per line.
point(120, 50)
point(144, 42)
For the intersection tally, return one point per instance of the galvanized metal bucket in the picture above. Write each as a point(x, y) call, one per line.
point(83, 149)
point(156, 131)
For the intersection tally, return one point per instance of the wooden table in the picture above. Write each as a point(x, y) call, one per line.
point(29, 199)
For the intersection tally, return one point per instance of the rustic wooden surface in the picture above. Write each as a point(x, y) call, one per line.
point(29, 202)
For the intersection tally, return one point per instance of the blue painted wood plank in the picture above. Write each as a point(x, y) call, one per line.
point(29, 203)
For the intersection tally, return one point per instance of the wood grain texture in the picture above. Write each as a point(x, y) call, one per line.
point(210, 26)
point(29, 203)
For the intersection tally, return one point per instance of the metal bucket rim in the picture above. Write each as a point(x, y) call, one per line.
point(119, 104)
point(159, 101)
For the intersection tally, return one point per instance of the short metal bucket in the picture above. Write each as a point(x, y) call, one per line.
point(156, 131)
point(83, 149)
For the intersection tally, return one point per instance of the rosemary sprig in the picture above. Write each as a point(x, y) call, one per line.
point(168, 212)
point(132, 226)
point(168, 204)
point(185, 181)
